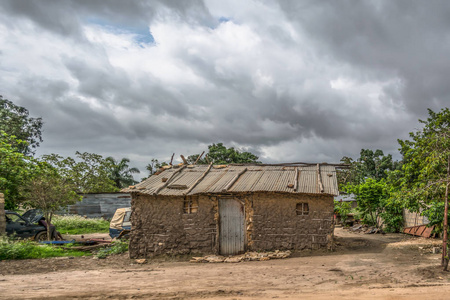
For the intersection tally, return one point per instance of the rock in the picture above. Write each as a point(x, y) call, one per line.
point(141, 261)
point(233, 259)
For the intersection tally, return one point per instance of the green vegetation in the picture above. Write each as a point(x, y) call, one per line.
point(219, 154)
point(120, 173)
point(15, 121)
point(25, 249)
point(342, 209)
point(15, 169)
point(89, 172)
point(80, 225)
point(116, 247)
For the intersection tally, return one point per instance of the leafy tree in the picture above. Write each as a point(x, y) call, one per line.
point(370, 164)
point(15, 120)
point(371, 197)
point(154, 165)
point(90, 174)
point(342, 209)
point(426, 166)
point(121, 173)
point(219, 154)
point(15, 169)
point(48, 191)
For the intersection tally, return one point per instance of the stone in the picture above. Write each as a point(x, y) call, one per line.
point(141, 261)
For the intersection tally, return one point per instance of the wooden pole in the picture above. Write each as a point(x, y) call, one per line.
point(171, 160)
point(168, 180)
point(198, 158)
point(296, 180)
point(198, 180)
point(444, 240)
point(319, 180)
point(184, 159)
point(233, 181)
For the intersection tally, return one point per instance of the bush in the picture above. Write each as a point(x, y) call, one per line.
point(116, 247)
point(24, 249)
point(342, 209)
point(80, 225)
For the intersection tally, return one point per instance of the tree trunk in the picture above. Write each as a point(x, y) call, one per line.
point(444, 240)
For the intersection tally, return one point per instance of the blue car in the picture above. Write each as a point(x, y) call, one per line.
point(120, 222)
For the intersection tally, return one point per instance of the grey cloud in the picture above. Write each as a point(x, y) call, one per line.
point(408, 39)
point(401, 43)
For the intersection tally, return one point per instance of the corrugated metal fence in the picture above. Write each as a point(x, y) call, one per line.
point(99, 205)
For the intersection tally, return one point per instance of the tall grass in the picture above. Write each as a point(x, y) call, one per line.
point(23, 249)
point(80, 225)
point(116, 247)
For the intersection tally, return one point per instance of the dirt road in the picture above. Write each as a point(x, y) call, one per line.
point(391, 266)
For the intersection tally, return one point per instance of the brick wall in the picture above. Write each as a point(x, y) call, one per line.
point(2, 215)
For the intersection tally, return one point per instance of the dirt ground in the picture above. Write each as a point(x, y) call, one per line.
point(391, 266)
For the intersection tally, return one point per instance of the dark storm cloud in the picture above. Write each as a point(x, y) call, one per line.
point(291, 80)
point(408, 39)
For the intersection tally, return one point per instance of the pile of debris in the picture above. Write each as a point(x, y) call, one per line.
point(360, 228)
point(248, 256)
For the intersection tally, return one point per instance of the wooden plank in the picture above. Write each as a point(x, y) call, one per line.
point(168, 180)
point(296, 179)
point(319, 179)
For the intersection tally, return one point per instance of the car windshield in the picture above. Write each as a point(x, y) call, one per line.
point(33, 215)
point(14, 218)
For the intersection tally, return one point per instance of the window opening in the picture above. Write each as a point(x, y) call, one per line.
point(302, 209)
point(190, 206)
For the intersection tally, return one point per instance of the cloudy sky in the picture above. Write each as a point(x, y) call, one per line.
point(287, 80)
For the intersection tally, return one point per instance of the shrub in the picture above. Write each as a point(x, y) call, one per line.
point(80, 225)
point(116, 247)
point(342, 209)
point(24, 249)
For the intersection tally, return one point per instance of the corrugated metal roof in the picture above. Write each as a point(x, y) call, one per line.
point(203, 179)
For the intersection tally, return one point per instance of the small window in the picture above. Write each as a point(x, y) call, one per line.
point(190, 206)
point(302, 209)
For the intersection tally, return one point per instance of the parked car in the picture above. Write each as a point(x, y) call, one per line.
point(120, 222)
point(26, 225)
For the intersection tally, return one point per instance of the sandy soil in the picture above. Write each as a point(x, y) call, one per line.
point(391, 266)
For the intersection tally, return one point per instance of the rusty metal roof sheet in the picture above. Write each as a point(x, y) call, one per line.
point(205, 179)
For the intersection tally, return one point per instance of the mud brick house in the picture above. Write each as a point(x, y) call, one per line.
point(230, 209)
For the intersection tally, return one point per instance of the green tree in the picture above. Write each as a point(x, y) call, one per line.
point(15, 169)
point(425, 175)
point(121, 173)
point(15, 120)
point(48, 191)
point(371, 196)
point(154, 166)
point(370, 164)
point(219, 154)
point(90, 173)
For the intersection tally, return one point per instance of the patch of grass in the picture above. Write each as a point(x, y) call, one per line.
point(116, 247)
point(80, 225)
point(24, 249)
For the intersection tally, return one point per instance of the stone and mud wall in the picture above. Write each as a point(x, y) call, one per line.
point(273, 222)
point(161, 224)
point(2, 215)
